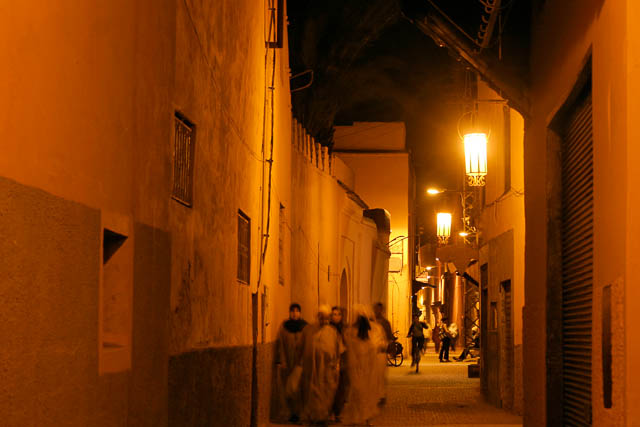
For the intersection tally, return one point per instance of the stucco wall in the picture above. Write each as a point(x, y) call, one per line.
point(504, 212)
point(329, 236)
point(370, 136)
point(601, 29)
point(50, 272)
point(383, 180)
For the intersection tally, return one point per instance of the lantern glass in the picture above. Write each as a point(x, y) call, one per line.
point(444, 226)
point(475, 156)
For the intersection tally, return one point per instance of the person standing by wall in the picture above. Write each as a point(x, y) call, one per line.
point(288, 356)
point(445, 339)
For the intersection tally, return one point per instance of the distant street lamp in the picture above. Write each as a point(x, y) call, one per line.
point(475, 156)
point(443, 227)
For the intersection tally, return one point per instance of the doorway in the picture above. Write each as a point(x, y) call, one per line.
point(344, 295)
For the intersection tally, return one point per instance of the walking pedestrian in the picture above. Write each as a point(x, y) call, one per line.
point(416, 333)
point(337, 321)
point(288, 361)
point(362, 397)
point(378, 310)
point(320, 368)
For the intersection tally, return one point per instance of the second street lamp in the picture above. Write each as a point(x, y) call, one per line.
point(443, 227)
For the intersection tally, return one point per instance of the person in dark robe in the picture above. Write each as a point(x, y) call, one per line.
point(337, 321)
point(287, 406)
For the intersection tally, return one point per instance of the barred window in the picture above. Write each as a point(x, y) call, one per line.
point(183, 151)
point(244, 247)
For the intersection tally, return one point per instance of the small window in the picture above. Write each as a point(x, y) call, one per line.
point(244, 247)
point(183, 152)
point(281, 243)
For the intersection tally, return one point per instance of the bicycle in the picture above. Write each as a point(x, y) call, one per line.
point(417, 345)
point(394, 352)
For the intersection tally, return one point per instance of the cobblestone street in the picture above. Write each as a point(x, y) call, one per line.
point(440, 395)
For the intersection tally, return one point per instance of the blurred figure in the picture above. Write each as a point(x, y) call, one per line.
point(288, 356)
point(378, 310)
point(380, 343)
point(320, 368)
point(362, 396)
point(453, 334)
point(337, 321)
point(435, 336)
point(416, 333)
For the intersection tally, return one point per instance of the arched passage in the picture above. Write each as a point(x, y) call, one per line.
point(344, 292)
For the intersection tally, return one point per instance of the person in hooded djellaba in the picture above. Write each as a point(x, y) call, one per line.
point(287, 406)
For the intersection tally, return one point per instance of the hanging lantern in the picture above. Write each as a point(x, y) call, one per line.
point(444, 227)
point(475, 156)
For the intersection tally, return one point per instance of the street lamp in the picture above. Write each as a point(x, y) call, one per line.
point(443, 227)
point(475, 156)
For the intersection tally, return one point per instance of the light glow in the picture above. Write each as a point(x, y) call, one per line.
point(443, 226)
point(433, 191)
point(463, 234)
point(475, 157)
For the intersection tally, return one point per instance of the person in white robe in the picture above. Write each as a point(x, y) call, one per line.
point(364, 392)
point(320, 368)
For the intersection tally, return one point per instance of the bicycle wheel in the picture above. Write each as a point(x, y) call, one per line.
point(394, 354)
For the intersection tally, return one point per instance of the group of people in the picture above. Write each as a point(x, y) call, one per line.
point(331, 370)
point(443, 335)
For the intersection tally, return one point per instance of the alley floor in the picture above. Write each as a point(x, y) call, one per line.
point(440, 395)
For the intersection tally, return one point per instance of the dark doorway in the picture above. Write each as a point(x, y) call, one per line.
point(344, 294)
point(577, 263)
point(570, 261)
point(506, 332)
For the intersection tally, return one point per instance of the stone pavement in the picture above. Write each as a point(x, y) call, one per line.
point(440, 395)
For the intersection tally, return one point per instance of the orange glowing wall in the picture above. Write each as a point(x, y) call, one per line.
point(605, 31)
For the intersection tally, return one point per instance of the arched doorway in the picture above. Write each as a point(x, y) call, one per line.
point(344, 294)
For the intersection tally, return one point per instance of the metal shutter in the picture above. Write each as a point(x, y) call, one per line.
point(577, 265)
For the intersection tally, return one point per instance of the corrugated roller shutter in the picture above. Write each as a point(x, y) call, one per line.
point(577, 265)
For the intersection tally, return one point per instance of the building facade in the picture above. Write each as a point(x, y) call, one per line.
point(581, 302)
point(377, 154)
point(160, 211)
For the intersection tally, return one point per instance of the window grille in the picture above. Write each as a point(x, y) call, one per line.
point(244, 247)
point(183, 151)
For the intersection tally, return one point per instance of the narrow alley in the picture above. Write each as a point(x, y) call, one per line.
point(239, 212)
